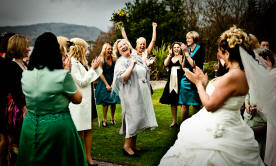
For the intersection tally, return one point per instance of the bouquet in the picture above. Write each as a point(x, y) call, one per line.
point(119, 17)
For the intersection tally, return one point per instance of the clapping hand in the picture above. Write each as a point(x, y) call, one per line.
point(67, 64)
point(197, 77)
point(133, 61)
point(183, 47)
point(95, 63)
point(170, 50)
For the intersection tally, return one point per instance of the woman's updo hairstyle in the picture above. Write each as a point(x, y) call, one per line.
point(231, 40)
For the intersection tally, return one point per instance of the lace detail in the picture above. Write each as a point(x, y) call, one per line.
point(42, 119)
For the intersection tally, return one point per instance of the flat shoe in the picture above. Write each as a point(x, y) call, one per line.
point(104, 123)
point(174, 125)
point(113, 122)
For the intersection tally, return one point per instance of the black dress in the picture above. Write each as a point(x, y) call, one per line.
point(172, 97)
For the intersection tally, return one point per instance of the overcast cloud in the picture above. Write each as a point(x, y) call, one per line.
point(82, 12)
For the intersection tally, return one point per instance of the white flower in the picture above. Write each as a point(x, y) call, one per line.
point(218, 130)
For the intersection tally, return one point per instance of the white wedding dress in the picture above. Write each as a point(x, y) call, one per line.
point(219, 138)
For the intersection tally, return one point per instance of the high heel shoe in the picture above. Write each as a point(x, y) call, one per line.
point(127, 154)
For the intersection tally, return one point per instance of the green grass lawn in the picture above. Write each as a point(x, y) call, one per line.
point(107, 143)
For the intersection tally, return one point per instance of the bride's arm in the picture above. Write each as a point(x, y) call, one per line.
point(224, 89)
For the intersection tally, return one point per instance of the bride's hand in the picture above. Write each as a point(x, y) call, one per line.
point(193, 77)
point(197, 77)
point(203, 77)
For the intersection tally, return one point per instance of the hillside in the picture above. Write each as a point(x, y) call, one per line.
point(59, 29)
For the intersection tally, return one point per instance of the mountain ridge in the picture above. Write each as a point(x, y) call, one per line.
point(59, 29)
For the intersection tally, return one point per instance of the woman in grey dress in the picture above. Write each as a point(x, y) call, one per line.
point(131, 83)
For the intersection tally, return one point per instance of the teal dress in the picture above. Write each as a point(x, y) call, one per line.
point(48, 135)
point(188, 92)
point(104, 97)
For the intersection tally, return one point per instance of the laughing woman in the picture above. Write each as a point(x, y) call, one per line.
point(193, 56)
point(141, 44)
point(131, 83)
point(104, 86)
point(171, 90)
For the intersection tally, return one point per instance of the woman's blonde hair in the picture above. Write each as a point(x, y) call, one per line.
point(78, 51)
point(139, 40)
point(79, 41)
point(62, 41)
point(231, 40)
point(194, 35)
point(233, 37)
point(17, 47)
point(253, 41)
point(115, 52)
point(104, 49)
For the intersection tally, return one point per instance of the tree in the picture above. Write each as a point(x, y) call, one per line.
point(166, 13)
point(104, 37)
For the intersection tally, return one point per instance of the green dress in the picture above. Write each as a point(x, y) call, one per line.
point(49, 136)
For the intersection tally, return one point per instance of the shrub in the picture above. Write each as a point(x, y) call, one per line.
point(208, 68)
point(158, 70)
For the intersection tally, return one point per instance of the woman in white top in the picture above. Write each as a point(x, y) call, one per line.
point(141, 45)
point(83, 77)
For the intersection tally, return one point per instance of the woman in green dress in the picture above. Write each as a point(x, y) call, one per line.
point(104, 86)
point(49, 136)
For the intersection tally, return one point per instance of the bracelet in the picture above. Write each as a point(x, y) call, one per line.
point(169, 56)
point(107, 86)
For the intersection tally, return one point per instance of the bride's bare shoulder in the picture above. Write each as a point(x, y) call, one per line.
point(238, 79)
point(235, 79)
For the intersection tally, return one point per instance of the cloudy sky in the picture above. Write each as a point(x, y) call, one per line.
point(82, 12)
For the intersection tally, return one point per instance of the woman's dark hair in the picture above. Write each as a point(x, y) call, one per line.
point(264, 53)
point(46, 53)
point(4, 38)
point(179, 43)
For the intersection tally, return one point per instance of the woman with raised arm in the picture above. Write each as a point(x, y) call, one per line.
point(131, 83)
point(171, 90)
point(217, 135)
point(49, 136)
point(141, 45)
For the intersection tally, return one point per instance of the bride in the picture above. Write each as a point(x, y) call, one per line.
point(217, 135)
